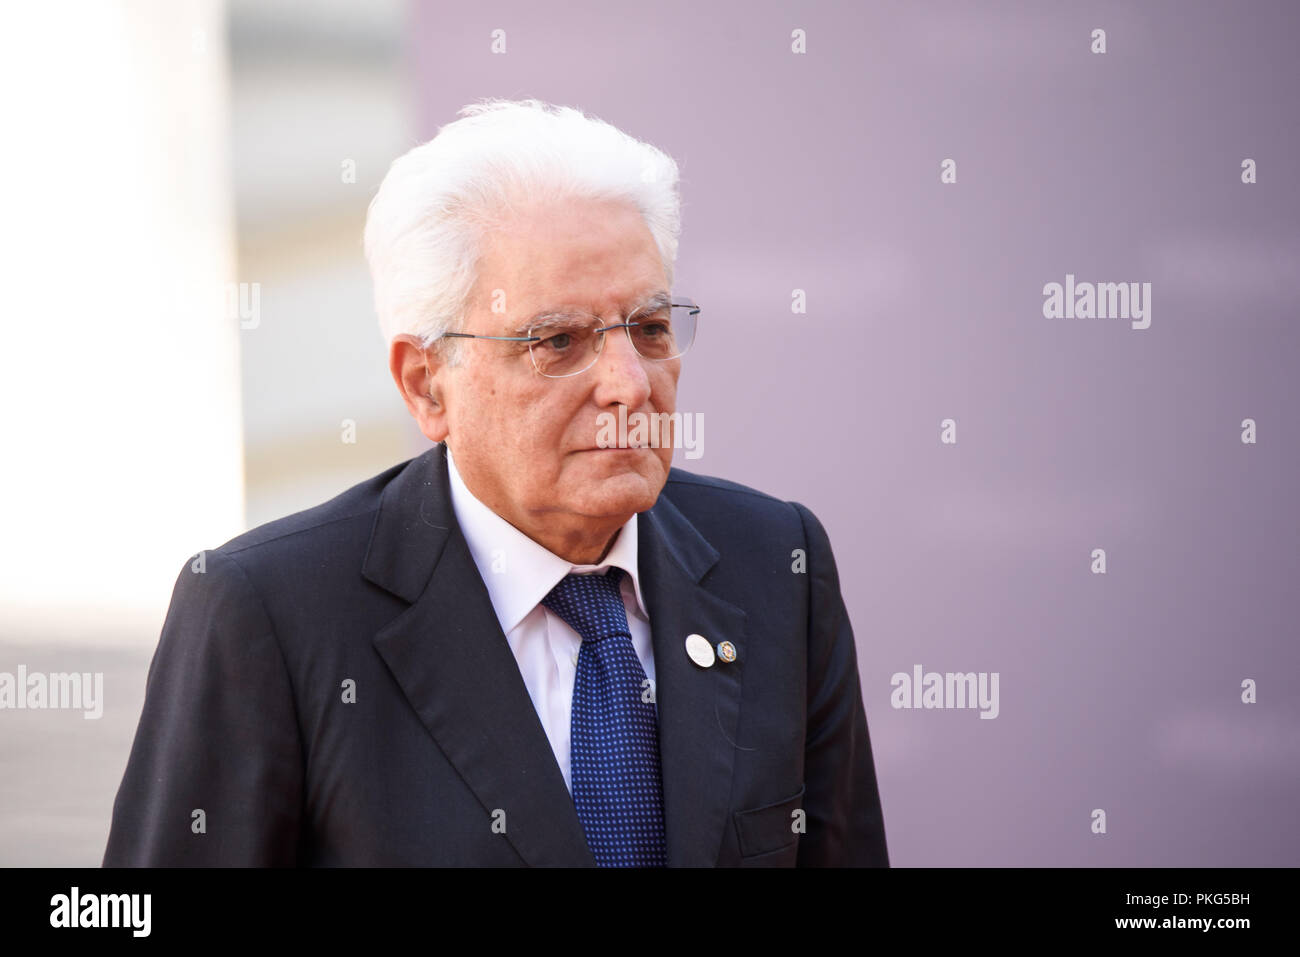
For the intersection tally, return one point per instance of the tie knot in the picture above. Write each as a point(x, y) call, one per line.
point(592, 605)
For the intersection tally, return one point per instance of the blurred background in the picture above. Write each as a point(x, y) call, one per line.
point(185, 192)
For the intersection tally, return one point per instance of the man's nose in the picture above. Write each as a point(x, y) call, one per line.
point(620, 372)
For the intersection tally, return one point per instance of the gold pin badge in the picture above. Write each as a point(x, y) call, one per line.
point(726, 651)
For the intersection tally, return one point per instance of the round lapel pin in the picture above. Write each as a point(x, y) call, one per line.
point(700, 651)
point(727, 651)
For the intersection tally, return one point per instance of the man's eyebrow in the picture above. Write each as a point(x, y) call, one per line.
point(653, 302)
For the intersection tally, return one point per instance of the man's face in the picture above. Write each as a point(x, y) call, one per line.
point(527, 445)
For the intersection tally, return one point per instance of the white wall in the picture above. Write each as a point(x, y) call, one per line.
point(119, 372)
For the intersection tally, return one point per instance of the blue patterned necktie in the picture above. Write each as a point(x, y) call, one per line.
point(614, 746)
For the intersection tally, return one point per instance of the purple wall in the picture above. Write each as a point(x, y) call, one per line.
point(1120, 691)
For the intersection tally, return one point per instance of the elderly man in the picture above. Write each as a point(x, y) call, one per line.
point(529, 645)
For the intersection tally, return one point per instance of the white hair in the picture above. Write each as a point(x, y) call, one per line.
point(426, 225)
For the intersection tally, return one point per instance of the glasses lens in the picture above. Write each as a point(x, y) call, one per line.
point(568, 345)
point(665, 334)
point(565, 346)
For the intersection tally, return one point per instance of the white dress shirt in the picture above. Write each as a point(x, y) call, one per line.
point(519, 573)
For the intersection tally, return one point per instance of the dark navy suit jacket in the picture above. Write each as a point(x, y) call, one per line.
point(441, 759)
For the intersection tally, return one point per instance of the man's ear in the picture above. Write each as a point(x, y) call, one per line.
point(420, 375)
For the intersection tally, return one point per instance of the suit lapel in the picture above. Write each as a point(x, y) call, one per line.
point(699, 708)
point(454, 665)
point(450, 658)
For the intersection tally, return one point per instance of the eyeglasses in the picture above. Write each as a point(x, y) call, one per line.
point(567, 344)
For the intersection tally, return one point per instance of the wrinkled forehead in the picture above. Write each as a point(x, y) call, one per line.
point(577, 257)
point(645, 304)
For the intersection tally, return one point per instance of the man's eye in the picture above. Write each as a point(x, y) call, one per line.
point(558, 342)
point(652, 330)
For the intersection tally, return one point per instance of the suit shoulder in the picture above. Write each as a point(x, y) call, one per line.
point(304, 528)
point(694, 493)
point(695, 481)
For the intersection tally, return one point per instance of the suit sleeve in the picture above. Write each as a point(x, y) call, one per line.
point(845, 825)
point(218, 735)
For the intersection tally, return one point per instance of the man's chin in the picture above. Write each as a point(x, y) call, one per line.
point(627, 481)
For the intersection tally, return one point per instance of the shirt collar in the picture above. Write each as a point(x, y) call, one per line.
point(517, 571)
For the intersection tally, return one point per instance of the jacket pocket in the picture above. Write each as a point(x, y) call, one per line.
point(769, 828)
